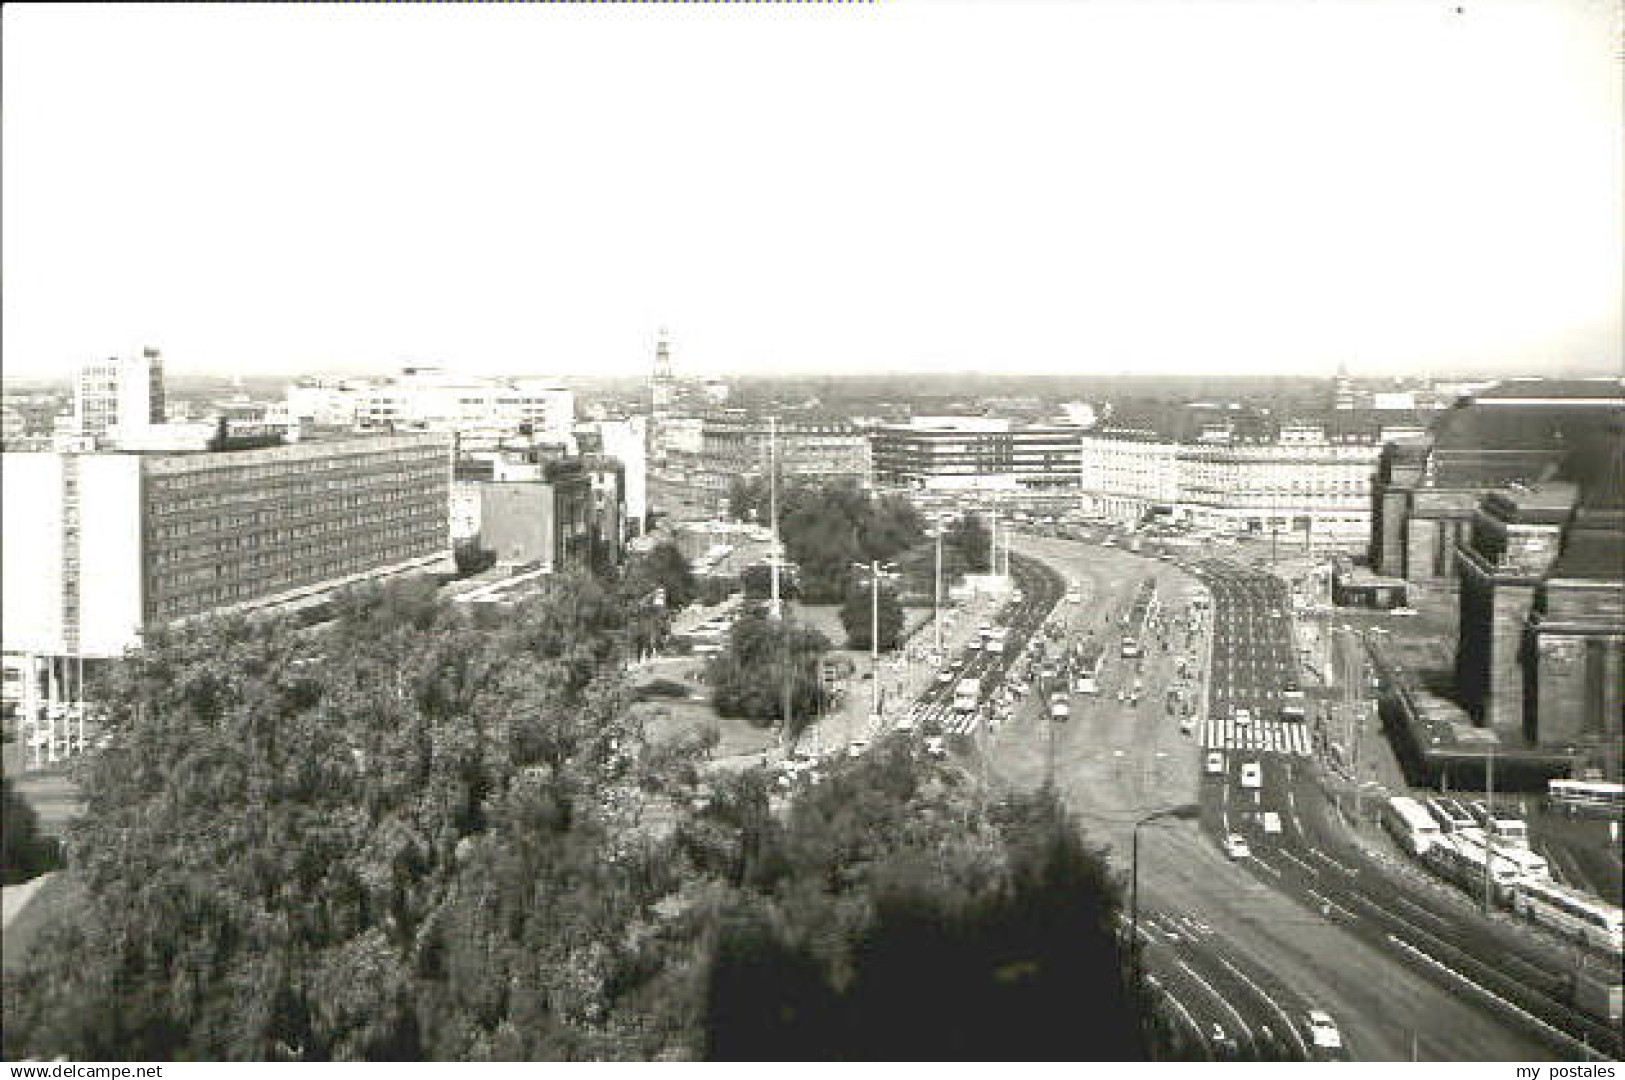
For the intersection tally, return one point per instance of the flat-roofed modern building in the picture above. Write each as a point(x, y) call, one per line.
point(99, 546)
point(958, 453)
point(483, 412)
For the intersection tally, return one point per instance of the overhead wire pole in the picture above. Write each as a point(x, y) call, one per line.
point(936, 611)
point(874, 632)
point(773, 510)
point(1489, 827)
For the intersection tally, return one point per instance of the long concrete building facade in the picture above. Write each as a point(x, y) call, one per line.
point(1297, 484)
point(99, 546)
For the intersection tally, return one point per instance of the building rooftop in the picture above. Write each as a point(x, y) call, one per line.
point(1603, 389)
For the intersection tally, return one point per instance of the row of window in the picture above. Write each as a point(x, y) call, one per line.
point(238, 496)
point(361, 551)
point(275, 529)
point(212, 595)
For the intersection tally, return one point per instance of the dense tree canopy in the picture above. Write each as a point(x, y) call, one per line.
point(858, 616)
point(828, 527)
point(662, 567)
point(430, 832)
point(757, 581)
point(971, 543)
point(24, 852)
point(764, 658)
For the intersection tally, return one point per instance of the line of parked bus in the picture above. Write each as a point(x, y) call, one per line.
point(1456, 841)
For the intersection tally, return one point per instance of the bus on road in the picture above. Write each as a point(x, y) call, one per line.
point(1088, 669)
point(1410, 824)
point(1586, 797)
point(1575, 915)
point(967, 695)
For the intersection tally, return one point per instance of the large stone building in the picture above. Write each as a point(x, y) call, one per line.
point(1427, 490)
point(960, 453)
point(1541, 652)
point(1306, 482)
point(99, 546)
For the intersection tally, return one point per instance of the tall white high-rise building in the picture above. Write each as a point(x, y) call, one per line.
point(119, 394)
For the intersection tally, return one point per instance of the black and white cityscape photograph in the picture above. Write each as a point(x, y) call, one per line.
point(1040, 531)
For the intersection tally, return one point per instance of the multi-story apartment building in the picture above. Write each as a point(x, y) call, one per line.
point(482, 412)
point(99, 546)
point(1293, 482)
point(957, 453)
point(734, 444)
point(119, 393)
point(625, 440)
point(1125, 474)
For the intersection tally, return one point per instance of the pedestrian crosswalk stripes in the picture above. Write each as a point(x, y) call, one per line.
point(952, 723)
point(1261, 735)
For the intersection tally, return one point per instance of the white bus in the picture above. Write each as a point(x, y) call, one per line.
point(1526, 865)
point(1410, 824)
point(1461, 862)
point(1574, 914)
point(1502, 823)
point(1586, 796)
point(1450, 814)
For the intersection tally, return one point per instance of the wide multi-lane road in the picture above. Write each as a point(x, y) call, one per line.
point(1390, 903)
point(1242, 952)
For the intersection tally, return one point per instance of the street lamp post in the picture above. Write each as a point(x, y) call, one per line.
point(936, 610)
point(874, 569)
point(1184, 812)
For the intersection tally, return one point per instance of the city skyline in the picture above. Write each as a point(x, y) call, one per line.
point(1049, 189)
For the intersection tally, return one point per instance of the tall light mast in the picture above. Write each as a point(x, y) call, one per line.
point(773, 510)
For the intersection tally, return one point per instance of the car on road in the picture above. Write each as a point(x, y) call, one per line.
point(1325, 1041)
point(1272, 823)
point(1215, 763)
point(1403, 611)
point(1221, 1041)
point(1236, 847)
point(936, 746)
point(945, 676)
point(1252, 775)
point(856, 747)
point(1243, 717)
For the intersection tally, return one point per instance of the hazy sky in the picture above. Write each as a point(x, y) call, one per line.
point(1100, 187)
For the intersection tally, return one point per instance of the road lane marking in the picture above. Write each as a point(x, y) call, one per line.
point(1189, 1019)
point(1585, 1047)
point(1284, 853)
point(1286, 1020)
point(1326, 904)
point(1231, 1009)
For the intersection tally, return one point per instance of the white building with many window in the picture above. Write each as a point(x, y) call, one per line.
point(481, 411)
point(1299, 486)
